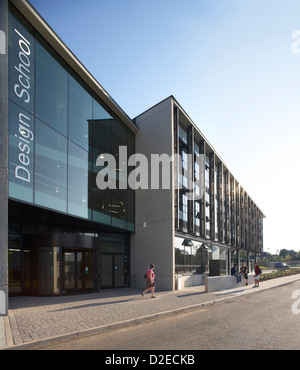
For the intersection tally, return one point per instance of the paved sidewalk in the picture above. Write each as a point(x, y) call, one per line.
point(34, 321)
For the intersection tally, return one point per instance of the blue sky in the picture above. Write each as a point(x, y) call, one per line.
point(230, 65)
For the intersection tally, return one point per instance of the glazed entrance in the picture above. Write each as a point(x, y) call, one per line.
point(56, 264)
point(78, 270)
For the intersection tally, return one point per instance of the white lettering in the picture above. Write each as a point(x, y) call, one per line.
point(172, 360)
point(25, 137)
point(295, 308)
point(121, 360)
point(24, 175)
point(22, 91)
point(22, 36)
point(138, 178)
point(22, 71)
point(106, 178)
point(26, 51)
point(162, 168)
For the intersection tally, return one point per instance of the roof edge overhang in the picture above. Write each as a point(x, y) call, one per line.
point(53, 39)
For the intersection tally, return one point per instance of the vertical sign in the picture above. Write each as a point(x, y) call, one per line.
point(21, 122)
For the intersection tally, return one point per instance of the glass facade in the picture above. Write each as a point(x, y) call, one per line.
point(65, 234)
point(223, 218)
point(52, 254)
point(192, 256)
point(58, 128)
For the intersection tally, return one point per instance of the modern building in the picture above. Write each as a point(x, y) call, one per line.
point(61, 234)
point(187, 233)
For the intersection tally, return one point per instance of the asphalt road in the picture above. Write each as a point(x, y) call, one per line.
point(256, 321)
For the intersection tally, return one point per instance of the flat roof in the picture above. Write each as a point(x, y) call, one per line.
point(38, 22)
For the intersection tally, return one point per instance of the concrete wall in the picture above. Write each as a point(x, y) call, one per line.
point(192, 280)
point(3, 156)
point(217, 283)
point(153, 241)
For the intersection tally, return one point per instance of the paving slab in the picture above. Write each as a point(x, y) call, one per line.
point(36, 321)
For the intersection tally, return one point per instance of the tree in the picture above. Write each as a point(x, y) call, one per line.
point(283, 253)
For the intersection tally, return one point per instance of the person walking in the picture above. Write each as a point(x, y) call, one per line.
point(244, 272)
point(150, 282)
point(257, 272)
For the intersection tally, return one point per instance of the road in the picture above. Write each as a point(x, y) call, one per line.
point(255, 321)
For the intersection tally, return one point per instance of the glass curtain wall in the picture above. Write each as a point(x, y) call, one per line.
point(183, 200)
point(58, 128)
point(193, 257)
point(207, 198)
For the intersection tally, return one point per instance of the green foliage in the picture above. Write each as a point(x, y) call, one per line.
point(279, 273)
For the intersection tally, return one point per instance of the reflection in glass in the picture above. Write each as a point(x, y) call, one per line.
point(100, 200)
point(80, 113)
point(112, 243)
point(51, 90)
point(79, 270)
point(119, 270)
point(14, 265)
point(69, 128)
point(106, 271)
point(48, 272)
point(88, 270)
point(78, 181)
point(69, 270)
point(192, 259)
point(50, 168)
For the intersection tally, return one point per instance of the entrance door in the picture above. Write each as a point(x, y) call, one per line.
point(78, 269)
point(119, 270)
point(112, 270)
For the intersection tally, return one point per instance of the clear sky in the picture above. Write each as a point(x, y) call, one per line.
point(230, 65)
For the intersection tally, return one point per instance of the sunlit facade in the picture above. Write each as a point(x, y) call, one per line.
point(59, 233)
point(201, 234)
point(65, 235)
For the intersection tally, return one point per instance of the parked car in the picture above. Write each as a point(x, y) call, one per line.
point(281, 265)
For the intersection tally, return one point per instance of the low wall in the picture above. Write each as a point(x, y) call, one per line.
point(216, 283)
point(192, 280)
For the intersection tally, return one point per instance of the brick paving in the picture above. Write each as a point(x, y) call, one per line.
point(35, 320)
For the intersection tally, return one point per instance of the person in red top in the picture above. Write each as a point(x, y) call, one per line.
point(256, 275)
point(150, 282)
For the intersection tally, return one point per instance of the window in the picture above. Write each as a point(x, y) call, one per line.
point(58, 128)
point(51, 90)
point(101, 128)
point(191, 258)
point(184, 169)
point(21, 153)
point(78, 197)
point(80, 114)
point(183, 209)
point(182, 134)
point(50, 168)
